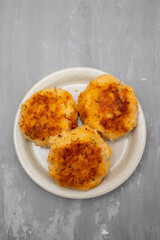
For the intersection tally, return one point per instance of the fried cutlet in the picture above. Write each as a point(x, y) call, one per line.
point(109, 106)
point(47, 113)
point(78, 158)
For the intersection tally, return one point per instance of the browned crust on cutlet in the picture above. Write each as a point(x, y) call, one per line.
point(79, 159)
point(47, 113)
point(109, 106)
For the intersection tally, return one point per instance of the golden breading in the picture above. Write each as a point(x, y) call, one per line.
point(47, 113)
point(109, 106)
point(79, 158)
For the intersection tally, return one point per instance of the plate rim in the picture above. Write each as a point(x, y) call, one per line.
point(66, 195)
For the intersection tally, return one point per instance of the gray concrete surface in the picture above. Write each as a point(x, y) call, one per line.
point(38, 37)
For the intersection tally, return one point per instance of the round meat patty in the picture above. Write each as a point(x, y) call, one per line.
point(109, 106)
point(79, 158)
point(47, 113)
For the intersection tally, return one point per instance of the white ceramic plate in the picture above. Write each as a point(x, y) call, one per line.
point(127, 150)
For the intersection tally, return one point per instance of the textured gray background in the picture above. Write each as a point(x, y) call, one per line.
point(38, 37)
